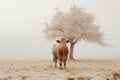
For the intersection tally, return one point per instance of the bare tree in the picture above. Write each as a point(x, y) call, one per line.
point(76, 25)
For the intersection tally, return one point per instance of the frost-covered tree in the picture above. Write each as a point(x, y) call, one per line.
point(76, 25)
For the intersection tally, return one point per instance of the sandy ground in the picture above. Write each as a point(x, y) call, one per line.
point(43, 69)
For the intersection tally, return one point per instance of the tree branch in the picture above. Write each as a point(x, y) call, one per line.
point(59, 29)
point(76, 41)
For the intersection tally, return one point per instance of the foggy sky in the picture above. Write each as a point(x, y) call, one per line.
point(22, 23)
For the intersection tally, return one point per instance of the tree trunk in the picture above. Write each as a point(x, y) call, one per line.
point(71, 51)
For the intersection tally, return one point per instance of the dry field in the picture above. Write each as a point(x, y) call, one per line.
point(43, 69)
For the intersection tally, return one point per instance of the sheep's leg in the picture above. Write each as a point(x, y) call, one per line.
point(60, 63)
point(55, 62)
point(64, 64)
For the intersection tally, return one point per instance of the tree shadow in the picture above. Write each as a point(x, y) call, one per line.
point(86, 60)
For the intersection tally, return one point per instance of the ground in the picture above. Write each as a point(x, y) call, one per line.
point(43, 69)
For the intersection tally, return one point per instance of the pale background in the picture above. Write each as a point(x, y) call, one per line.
point(22, 23)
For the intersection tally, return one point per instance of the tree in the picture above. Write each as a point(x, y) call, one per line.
point(76, 25)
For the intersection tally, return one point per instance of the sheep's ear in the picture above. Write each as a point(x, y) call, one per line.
point(67, 41)
point(57, 41)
